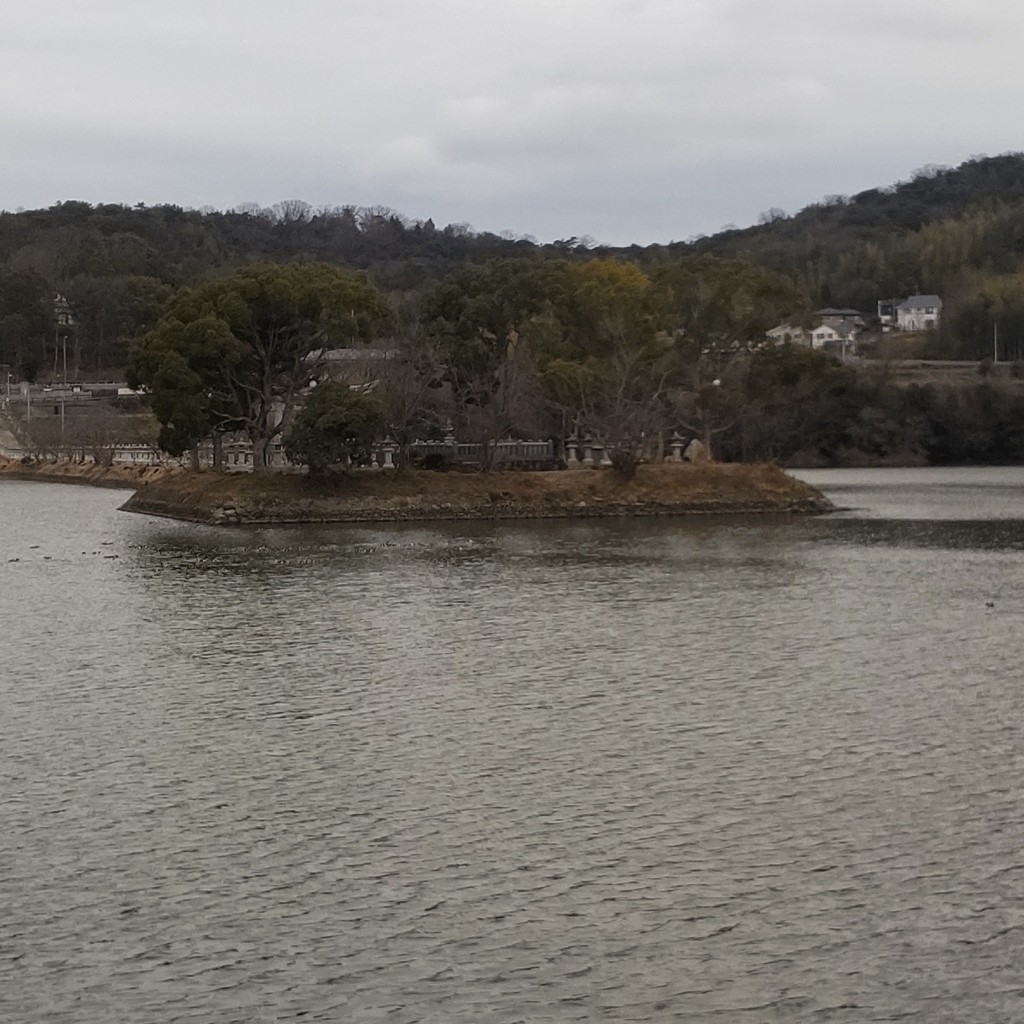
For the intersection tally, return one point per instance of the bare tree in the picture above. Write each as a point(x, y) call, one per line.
point(707, 404)
point(622, 398)
point(497, 402)
point(99, 435)
point(290, 211)
point(409, 383)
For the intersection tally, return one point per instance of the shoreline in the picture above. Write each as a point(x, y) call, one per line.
point(226, 499)
point(126, 478)
point(422, 496)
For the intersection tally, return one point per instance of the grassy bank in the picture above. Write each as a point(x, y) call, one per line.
point(417, 495)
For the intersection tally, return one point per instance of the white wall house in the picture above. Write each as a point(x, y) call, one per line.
point(822, 335)
point(788, 333)
point(835, 333)
point(919, 313)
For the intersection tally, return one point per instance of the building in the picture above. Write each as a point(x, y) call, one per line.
point(789, 334)
point(837, 329)
point(919, 313)
point(824, 335)
point(916, 313)
point(62, 315)
point(835, 334)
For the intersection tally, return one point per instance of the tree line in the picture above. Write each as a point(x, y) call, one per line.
point(596, 349)
point(496, 334)
point(521, 347)
point(957, 232)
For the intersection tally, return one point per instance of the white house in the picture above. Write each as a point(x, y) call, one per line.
point(789, 333)
point(823, 335)
point(918, 313)
point(835, 332)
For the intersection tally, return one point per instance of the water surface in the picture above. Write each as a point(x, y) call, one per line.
point(713, 769)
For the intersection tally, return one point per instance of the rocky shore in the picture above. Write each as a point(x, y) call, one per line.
point(667, 490)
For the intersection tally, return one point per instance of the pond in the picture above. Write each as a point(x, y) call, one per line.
point(745, 768)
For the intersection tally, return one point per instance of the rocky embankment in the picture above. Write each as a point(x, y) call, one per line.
point(666, 490)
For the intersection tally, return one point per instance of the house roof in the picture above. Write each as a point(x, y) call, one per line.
point(921, 302)
point(841, 328)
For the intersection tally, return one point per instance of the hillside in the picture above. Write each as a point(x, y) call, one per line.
point(957, 232)
point(931, 194)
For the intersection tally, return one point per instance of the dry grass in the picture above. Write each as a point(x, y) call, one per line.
point(652, 483)
point(664, 489)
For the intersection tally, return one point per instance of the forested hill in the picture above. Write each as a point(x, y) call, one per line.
point(931, 194)
point(956, 232)
point(897, 239)
point(942, 231)
point(117, 265)
point(177, 245)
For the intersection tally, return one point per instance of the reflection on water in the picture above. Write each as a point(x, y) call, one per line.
point(710, 769)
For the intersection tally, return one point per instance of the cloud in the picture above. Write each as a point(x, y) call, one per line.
point(568, 118)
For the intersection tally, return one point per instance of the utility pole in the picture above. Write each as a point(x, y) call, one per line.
point(64, 388)
point(62, 323)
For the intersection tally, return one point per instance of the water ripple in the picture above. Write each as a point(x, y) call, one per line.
point(714, 771)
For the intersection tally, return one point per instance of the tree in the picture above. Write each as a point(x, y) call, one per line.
point(717, 307)
point(25, 310)
point(717, 311)
point(606, 299)
point(111, 313)
point(411, 388)
point(179, 365)
point(335, 424)
point(613, 364)
point(245, 347)
point(706, 409)
point(623, 401)
point(483, 320)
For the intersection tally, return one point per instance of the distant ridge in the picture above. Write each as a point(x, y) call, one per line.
point(953, 232)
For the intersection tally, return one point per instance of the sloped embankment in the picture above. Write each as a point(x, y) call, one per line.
point(121, 477)
point(225, 499)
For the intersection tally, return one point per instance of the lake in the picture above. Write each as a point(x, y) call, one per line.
point(707, 769)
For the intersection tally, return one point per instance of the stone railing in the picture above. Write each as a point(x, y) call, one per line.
point(587, 453)
point(237, 455)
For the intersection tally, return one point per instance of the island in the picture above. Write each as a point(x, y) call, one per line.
point(246, 499)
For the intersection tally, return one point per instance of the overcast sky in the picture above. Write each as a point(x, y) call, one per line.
point(625, 120)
